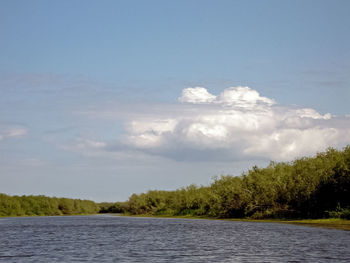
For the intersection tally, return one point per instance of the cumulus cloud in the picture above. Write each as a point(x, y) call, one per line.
point(243, 97)
point(196, 95)
point(237, 123)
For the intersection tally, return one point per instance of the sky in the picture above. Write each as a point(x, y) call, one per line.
point(102, 99)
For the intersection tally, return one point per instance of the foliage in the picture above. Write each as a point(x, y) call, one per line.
point(108, 207)
point(317, 187)
point(43, 205)
point(304, 188)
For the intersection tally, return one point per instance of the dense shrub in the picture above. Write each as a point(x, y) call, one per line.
point(43, 205)
point(304, 188)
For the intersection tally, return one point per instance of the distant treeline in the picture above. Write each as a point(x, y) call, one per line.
point(314, 187)
point(43, 205)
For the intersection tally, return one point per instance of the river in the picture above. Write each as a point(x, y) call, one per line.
point(126, 239)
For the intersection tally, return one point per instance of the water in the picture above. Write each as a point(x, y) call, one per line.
point(124, 239)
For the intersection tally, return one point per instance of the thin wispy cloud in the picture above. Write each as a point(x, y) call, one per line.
point(12, 131)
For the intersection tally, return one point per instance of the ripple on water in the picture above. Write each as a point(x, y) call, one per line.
point(124, 239)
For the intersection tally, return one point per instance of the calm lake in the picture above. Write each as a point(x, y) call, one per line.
point(123, 239)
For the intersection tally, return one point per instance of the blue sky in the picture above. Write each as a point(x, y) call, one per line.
point(101, 99)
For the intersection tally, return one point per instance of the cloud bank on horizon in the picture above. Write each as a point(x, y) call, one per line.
point(238, 123)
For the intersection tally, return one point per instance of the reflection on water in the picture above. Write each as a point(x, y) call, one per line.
point(124, 239)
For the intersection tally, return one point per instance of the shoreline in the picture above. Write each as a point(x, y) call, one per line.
point(330, 223)
point(49, 215)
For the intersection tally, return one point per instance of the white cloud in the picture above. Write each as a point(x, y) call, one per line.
point(85, 146)
point(285, 144)
point(196, 95)
point(150, 133)
point(113, 152)
point(12, 131)
point(16, 132)
point(243, 97)
point(238, 123)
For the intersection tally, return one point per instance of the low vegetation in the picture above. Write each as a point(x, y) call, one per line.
point(315, 187)
point(43, 205)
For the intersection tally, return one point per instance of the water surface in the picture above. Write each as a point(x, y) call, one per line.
point(125, 239)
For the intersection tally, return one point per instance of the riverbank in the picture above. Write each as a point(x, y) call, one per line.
point(94, 214)
point(335, 223)
point(332, 223)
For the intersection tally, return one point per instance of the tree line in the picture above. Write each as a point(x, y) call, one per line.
point(43, 205)
point(309, 187)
